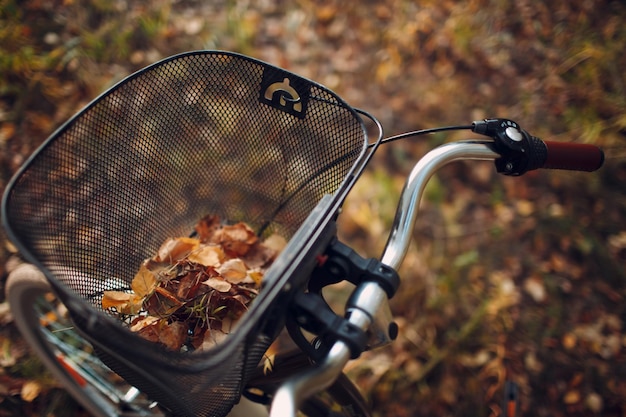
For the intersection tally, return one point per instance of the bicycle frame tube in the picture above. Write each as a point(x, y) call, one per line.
point(368, 298)
point(408, 207)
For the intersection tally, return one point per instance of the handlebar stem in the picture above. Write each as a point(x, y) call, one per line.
point(404, 222)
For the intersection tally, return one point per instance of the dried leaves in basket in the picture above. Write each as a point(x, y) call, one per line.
point(194, 290)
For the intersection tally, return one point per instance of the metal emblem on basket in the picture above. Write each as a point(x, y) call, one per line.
point(284, 93)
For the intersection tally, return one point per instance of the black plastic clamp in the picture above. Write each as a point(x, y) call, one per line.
point(311, 313)
point(340, 262)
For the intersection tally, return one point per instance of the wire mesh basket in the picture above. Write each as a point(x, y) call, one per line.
point(198, 133)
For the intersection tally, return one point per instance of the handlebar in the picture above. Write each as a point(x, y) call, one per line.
point(514, 151)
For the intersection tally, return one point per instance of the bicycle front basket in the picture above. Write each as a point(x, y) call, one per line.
point(199, 133)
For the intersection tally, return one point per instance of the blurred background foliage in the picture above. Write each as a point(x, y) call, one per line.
point(518, 279)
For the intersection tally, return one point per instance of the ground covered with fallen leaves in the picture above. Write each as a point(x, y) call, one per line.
point(518, 279)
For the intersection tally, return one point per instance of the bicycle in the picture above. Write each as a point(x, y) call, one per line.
point(162, 148)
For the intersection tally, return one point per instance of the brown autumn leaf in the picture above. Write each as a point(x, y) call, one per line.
point(162, 303)
point(171, 335)
point(212, 338)
point(206, 227)
point(236, 239)
point(164, 271)
point(191, 286)
point(572, 397)
point(228, 324)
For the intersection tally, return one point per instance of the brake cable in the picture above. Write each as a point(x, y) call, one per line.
point(423, 132)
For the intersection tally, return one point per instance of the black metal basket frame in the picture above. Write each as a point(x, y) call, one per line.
point(145, 365)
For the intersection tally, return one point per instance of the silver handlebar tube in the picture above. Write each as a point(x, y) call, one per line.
point(408, 207)
point(290, 395)
point(368, 298)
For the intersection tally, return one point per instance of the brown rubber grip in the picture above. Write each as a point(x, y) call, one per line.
point(573, 156)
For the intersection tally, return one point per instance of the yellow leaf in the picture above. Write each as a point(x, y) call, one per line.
point(48, 318)
point(122, 302)
point(176, 249)
point(30, 391)
point(144, 282)
point(233, 270)
point(143, 322)
point(209, 255)
point(256, 277)
point(218, 284)
point(275, 242)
